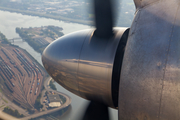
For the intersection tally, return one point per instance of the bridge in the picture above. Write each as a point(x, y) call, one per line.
point(12, 40)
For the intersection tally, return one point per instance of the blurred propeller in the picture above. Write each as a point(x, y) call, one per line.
point(103, 18)
point(96, 111)
point(104, 22)
point(83, 64)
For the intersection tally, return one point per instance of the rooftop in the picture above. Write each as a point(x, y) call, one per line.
point(53, 98)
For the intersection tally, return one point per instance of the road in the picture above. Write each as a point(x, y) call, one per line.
point(67, 103)
point(18, 70)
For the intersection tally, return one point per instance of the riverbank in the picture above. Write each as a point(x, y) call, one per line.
point(63, 106)
point(31, 13)
point(40, 37)
point(18, 69)
point(9, 21)
point(27, 57)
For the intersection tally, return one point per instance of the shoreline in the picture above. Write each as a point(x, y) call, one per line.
point(44, 85)
point(66, 104)
point(10, 101)
point(60, 18)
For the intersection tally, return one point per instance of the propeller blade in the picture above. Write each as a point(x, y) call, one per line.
point(103, 18)
point(96, 111)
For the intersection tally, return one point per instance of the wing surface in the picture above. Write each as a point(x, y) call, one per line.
point(150, 76)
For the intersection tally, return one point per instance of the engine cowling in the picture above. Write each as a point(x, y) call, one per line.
point(86, 65)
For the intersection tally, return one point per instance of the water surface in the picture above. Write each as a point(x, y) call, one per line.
point(8, 23)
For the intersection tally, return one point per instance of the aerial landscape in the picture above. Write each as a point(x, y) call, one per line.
point(22, 80)
point(26, 89)
point(89, 59)
point(40, 37)
point(77, 11)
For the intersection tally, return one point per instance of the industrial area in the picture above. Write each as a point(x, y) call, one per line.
point(23, 78)
point(52, 100)
point(26, 90)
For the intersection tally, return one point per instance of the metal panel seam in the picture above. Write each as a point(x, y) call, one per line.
point(135, 20)
point(167, 61)
point(80, 56)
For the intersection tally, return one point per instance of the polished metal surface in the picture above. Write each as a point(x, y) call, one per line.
point(143, 3)
point(60, 59)
point(83, 64)
point(150, 75)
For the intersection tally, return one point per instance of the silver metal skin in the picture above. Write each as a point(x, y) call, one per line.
point(83, 64)
point(150, 74)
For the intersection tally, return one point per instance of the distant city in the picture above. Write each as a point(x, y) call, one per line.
point(73, 9)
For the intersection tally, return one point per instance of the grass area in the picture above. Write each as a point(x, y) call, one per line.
point(4, 100)
point(2, 106)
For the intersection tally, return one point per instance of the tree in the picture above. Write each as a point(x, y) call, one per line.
point(38, 104)
point(14, 113)
point(52, 85)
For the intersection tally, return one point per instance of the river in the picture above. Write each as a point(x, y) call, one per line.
point(8, 23)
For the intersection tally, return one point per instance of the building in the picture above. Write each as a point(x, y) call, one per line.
point(54, 100)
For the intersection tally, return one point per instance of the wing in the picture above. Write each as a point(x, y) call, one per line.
point(150, 79)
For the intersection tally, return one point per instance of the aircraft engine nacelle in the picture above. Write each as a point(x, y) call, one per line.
point(86, 65)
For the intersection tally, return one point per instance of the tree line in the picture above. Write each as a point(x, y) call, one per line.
point(29, 40)
point(14, 113)
point(38, 104)
point(52, 85)
point(4, 39)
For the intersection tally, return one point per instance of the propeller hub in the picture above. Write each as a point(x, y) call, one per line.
point(83, 64)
